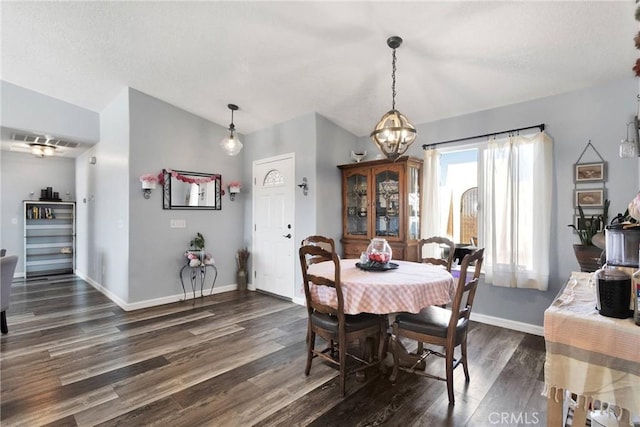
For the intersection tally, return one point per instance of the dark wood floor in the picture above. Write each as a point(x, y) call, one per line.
point(72, 357)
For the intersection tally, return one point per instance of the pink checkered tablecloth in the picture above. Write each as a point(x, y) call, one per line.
point(410, 288)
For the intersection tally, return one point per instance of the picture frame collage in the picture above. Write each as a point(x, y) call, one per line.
point(589, 192)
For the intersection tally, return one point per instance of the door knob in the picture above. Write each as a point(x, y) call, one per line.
point(288, 236)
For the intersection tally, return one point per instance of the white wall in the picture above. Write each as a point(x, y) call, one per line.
point(164, 136)
point(107, 200)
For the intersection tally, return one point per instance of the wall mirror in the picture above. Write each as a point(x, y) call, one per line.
point(191, 190)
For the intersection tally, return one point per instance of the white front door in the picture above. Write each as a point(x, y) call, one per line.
point(273, 234)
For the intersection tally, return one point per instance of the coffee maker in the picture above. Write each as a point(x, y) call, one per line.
point(613, 282)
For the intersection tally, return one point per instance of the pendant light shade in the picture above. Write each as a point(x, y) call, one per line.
point(231, 144)
point(628, 146)
point(393, 134)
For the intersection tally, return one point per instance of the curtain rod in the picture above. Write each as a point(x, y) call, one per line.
point(425, 146)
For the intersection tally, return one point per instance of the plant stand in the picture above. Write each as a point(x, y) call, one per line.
point(198, 273)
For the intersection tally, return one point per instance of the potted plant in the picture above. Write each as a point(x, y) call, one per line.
point(196, 254)
point(588, 255)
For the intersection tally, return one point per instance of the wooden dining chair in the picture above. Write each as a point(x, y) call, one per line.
point(437, 240)
point(332, 324)
point(326, 243)
point(440, 327)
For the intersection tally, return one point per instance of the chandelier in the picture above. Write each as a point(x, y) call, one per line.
point(393, 134)
point(231, 144)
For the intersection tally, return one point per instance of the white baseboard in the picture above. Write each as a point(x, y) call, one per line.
point(508, 324)
point(299, 300)
point(151, 302)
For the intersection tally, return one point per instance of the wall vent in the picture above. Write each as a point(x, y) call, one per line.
point(39, 139)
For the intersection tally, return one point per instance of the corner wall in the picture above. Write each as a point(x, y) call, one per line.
point(598, 114)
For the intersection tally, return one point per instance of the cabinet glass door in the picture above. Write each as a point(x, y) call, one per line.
point(357, 205)
point(413, 192)
point(387, 203)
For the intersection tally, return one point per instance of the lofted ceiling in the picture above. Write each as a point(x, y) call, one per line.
point(280, 60)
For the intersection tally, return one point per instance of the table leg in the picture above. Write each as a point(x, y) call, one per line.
point(203, 275)
point(555, 410)
point(194, 274)
point(215, 276)
point(579, 416)
point(184, 290)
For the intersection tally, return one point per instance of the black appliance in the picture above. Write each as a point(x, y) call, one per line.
point(613, 287)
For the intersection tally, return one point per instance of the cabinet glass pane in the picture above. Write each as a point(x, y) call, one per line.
point(356, 196)
point(414, 203)
point(387, 201)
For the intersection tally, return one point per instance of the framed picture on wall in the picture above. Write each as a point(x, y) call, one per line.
point(589, 198)
point(584, 224)
point(589, 172)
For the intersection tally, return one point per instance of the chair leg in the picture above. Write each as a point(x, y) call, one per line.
point(382, 347)
point(463, 359)
point(449, 363)
point(311, 336)
point(396, 358)
point(342, 354)
point(3, 322)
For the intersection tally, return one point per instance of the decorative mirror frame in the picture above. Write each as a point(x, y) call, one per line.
point(171, 175)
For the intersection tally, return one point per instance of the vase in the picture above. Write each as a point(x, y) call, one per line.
point(379, 251)
point(588, 257)
point(241, 280)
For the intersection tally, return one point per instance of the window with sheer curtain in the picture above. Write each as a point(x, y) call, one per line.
point(514, 204)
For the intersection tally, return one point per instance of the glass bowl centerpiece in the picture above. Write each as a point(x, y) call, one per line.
point(378, 252)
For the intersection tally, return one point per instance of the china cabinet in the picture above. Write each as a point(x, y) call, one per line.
point(49, 238)
point(381, 198)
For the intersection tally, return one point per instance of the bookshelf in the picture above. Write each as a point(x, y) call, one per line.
point(49, 238)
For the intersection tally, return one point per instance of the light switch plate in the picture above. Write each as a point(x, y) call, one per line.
point(178, 223)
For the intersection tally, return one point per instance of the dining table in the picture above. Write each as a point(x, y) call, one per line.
point(410, 287)
point(590, 356)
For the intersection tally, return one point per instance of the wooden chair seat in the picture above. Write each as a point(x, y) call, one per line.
point(432, 321)
point(352, 323)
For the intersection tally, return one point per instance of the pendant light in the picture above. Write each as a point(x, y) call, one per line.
point(393, 134)
point(628, 146)
point(231, 144)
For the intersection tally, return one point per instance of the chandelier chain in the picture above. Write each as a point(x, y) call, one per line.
point(393, 80)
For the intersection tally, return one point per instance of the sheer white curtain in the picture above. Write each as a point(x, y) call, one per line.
point(430, 217)
point(515, 201)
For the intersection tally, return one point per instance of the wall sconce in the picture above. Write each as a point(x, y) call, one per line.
point(149, 182)
point(147, 186)
point(304, 186)
point(234, 188)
